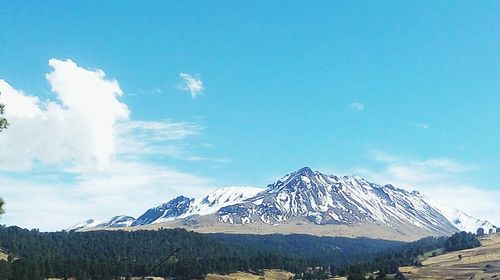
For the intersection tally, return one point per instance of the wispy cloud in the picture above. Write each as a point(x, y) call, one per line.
point(154, 137)
point(357, 106)
point(160, 130)
point(443, 180)
point(191, 84)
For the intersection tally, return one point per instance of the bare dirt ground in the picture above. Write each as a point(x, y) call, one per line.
point(477, 263)
point(269, 274)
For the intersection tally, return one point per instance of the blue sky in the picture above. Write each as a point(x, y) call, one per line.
point(403, 92)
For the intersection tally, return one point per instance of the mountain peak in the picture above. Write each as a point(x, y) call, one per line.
point(180, 197)
point(304, 171)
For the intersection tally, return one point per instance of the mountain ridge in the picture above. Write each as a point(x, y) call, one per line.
point(303, 197)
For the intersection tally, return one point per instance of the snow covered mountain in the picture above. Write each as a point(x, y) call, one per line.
point(464, 222)
point(179, 207)
point(116, 221)
point(328, 199)
point(300, 198)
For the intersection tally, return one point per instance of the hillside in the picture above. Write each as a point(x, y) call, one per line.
point(477, 263)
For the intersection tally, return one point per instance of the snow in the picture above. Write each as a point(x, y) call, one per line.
point(258, 201)
point(90, 223)
point(117, 221)
point(305, 179)
point(464, 222)
point(219, 198)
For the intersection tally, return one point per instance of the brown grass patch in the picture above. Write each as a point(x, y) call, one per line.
point(269, 274)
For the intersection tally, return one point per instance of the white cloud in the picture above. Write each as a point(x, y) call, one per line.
point(78, 130)
point(86, 145)
point(191, 84)
point(440, 179)
point(357, 106)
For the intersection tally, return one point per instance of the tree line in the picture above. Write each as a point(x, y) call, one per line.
point(113, 254)
point(3, 125)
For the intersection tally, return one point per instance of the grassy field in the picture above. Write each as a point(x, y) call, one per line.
point(269, 274)
point(477, 263)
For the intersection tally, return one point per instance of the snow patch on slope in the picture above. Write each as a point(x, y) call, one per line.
point(183, 207)
point(90, 223)
point(219, 198)
point(117, 221)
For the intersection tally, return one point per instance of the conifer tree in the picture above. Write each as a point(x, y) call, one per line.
point(3, 125)
point(3, 121)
